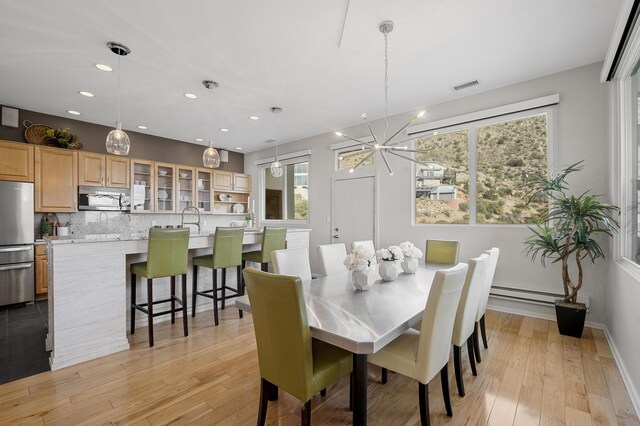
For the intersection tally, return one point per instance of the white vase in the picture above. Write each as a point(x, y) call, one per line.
point(63, 231)
point(388, 270)
point(410, 265)
point(364, 280)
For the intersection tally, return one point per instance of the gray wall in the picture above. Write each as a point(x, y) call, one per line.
point(143, 146)
point(582, 115)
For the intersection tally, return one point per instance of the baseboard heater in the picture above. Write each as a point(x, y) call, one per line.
point(530, 296)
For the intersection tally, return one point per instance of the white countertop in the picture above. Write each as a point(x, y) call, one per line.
point(96, 238)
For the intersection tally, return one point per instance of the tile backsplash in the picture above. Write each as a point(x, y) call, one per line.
point(90, 222)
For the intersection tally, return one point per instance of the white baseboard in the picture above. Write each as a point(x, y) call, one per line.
point(538, 315)
point(628, 383)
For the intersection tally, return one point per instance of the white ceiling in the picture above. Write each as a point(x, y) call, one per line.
point(280, 52)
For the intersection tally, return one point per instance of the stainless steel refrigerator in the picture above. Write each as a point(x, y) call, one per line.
point(16, 243)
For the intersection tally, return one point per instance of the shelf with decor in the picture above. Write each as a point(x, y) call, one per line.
point(231, 202)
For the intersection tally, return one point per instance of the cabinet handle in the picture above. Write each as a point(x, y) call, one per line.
point(16, 266)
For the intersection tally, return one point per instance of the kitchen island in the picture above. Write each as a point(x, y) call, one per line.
point(89, 293)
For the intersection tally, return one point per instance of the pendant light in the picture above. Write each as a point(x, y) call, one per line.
point(211, 157)
point(117, 142)
point(277, 169)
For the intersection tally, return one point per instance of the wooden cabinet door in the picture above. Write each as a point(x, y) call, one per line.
point(222, 181)
point(91, 169)
point(42, 273)
point(117, 172)
point(241, 182)
point(165, 188)
point(16, 161)
point(203, 190)
point(142, 178)
point(56, 180)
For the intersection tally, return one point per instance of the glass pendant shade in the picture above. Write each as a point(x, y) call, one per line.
point(276, 169)
point(211, 158)
point(117, 142)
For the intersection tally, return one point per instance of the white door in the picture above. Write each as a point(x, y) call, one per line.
point(353, 210)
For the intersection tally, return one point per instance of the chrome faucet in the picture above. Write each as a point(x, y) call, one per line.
point(183, 223)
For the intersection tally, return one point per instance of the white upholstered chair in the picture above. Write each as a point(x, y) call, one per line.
point(422, 354)
point(466, 316)
point(493, 253)
point(332, 257)
point(293, 261)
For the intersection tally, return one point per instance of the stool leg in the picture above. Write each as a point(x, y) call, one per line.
point(224, 286)
point(173, 300)
point(240, 286)
point(215, 296)
point(264, 267)
point(133, 302)
point(185, 321)
point(150, 309)
point(194, 289)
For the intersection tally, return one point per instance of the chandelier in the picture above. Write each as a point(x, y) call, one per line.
point(277, 169)
point(386, 145)
point(117, 141)
point(210, 156)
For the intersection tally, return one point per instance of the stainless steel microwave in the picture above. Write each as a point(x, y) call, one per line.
point(101, 198)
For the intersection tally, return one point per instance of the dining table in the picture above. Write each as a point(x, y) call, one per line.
point(363, 322)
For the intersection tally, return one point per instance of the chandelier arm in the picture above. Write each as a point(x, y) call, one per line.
point(413, 120)
point(407, 158)
point(356, 140)
point(373, 135)
point(417, 151)
point(386, 162)
point(364, 159)
point(402, 141)
point(358, 152)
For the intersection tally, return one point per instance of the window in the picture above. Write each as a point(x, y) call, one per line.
point(351, 157)
point(477, 172)
point(286, 197)
point(629, 214)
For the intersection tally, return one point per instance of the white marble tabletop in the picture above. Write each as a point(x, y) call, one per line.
point(363, 322)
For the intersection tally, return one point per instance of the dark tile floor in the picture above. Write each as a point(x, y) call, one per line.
point(22, 347)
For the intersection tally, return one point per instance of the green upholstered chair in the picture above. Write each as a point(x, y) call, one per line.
point(272, 239)
point(442, 251)
point(227, 253)
point(287, 355)
point(167, 255)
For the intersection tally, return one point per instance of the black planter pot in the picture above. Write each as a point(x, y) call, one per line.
point(570, 318)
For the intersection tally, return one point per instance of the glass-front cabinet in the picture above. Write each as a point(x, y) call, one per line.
point(203, 190)
point(165, 188)
point(142, 186)
point(185, 185)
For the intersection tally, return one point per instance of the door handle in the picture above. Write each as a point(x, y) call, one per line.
point(16, 266)
point(14, 249)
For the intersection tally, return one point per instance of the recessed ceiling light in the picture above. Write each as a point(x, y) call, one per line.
point(239, 148)
point(190, 96)
point(87, 94)
point(142, 127)
point(72, 112)
point(223, 130)
point(199, 140)
point(103, 67)
point(254, 117)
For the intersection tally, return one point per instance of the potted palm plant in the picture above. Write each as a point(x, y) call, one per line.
point(568, 232)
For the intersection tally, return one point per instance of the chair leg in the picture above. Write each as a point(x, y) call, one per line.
point(305, 414)
point(173, 300)
point(385, 376)
point(224, 287)
point(133, 302)
point(264, 267)
point(423, 396)
point(476, 344)
point(215, 296)
point(483, 330)
point(273, 393)
point(264, 399)
point(194, 289)
point(472, 355)
point(457, 366)
point(185, 320)
point(323, 392)
point(150, 309)
point(240, 285)
point(444, 378)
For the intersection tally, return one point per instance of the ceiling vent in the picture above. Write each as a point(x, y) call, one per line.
point(466, 85)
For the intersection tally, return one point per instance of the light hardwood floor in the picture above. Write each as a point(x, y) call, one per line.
point(529, 375)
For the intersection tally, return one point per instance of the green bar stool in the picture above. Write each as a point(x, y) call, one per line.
point(166, 257)
point(272, 239)
point(227, 253)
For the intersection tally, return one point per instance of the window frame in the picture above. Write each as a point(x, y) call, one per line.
point(262, 169)
point(351, 148)
point(472, 127)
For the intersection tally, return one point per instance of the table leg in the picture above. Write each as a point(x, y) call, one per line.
point(360, 389)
